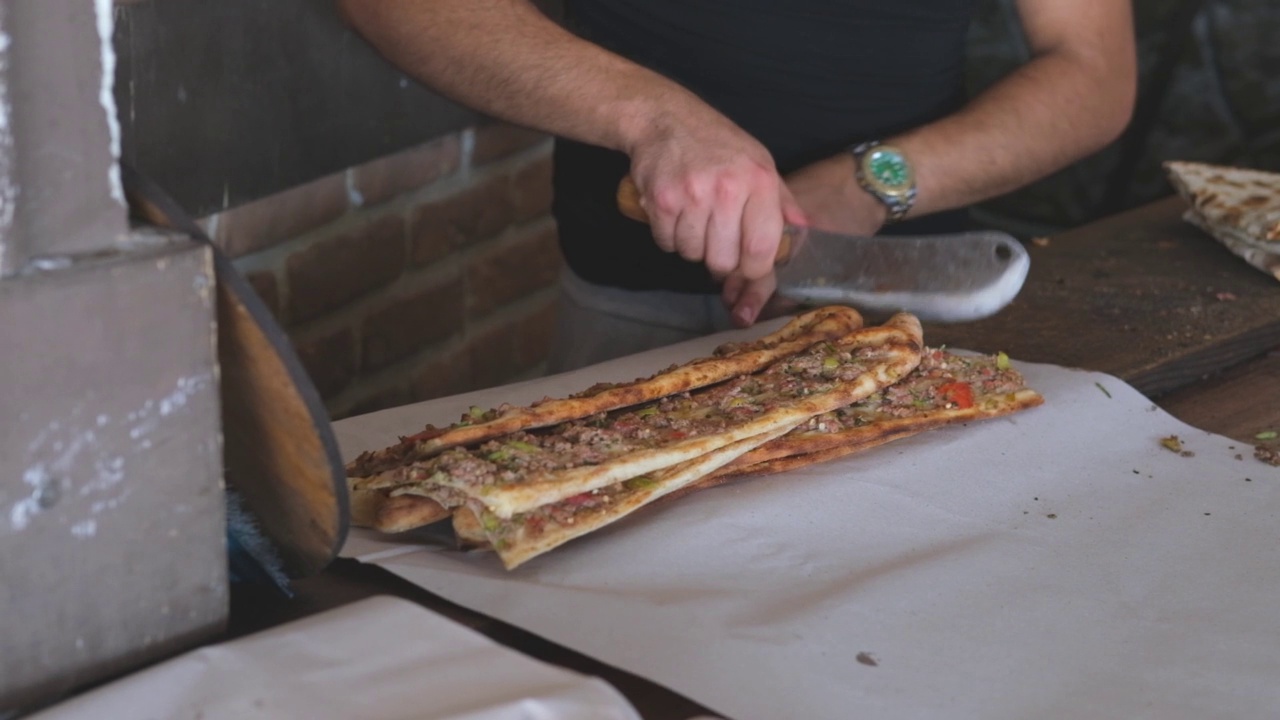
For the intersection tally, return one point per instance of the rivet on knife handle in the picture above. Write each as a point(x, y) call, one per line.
point(629, 205)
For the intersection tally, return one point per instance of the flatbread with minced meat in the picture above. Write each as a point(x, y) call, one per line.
point(730, 360)
point(526, 535)
point(526, 470)
point(946, 388)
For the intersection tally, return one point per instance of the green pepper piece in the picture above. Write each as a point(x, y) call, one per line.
point(639, 482)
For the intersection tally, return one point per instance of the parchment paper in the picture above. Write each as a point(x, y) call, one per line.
point(1056, 564)
point(379, 658)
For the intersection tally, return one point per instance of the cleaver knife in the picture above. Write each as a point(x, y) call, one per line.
point(938, 278)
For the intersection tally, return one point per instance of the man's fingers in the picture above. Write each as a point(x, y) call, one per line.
point(732, 289)
point(691, 233)
point(792, 213)
point(722, 249)
point(761, 232)
point(662, 207)
point(754, 294)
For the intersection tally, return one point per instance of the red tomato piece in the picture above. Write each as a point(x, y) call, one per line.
point(579, 499)
point(960, 393)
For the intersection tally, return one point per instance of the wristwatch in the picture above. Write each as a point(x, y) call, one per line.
point(883, 171)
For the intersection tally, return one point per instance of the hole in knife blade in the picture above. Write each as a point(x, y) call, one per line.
point(1003, 252)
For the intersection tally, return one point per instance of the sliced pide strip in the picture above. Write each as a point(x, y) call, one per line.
point(388, 513)
point(470, 532)
point(945, 388)
point(822, 379)
point(793, 462)
point(729, 361)
point(527, 535)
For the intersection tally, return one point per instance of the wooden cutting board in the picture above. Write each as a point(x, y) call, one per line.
point(1144, 296)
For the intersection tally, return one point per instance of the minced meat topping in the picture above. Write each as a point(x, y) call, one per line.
point(597, 439)
point(942, 381)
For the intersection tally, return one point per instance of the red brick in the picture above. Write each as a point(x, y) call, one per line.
point(392, 175)
point(447, 373)
point(517, 266)
point(332, 272)
point(381, 399)
point(330, 359)
point(260, 224)
point(441, 226)
point(531, 187)
point(412, 322)
point(264, 283)
point(508, 347)
point(497, 140)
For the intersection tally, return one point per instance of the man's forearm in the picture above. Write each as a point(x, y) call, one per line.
point(711, 191)
point(506, 59)
point(1049, 113)
point(1075, 96)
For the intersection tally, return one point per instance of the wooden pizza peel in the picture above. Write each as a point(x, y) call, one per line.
point(281, 459)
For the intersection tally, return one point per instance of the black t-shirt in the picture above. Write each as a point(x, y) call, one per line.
point(807, 78)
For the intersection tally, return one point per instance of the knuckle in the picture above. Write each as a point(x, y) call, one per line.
point(698, 188)
point(726, 188)
point(666, 199)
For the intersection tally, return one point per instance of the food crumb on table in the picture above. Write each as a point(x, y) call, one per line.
point(867, 658)
point(1268, 455)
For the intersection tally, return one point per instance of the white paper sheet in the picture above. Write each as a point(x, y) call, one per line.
point(1059, 563)
point(380, 658)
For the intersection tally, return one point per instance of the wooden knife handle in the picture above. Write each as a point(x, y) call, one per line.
point(629, 205)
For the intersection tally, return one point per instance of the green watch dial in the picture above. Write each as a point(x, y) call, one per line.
point(888, 168)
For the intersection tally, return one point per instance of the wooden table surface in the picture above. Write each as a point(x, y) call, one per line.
point(1141, 295)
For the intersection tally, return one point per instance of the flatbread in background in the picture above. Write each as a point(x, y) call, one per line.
point(1240, 244)
point(1243, 199)
point(1239, 207)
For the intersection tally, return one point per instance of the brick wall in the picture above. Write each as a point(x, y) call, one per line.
point(413, 276)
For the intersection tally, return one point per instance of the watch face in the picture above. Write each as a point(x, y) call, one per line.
point(887, 170)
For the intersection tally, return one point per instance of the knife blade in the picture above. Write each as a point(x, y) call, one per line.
point(938, 278)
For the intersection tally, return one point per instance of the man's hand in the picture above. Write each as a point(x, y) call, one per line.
point(713, 196)
point(830, 198)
